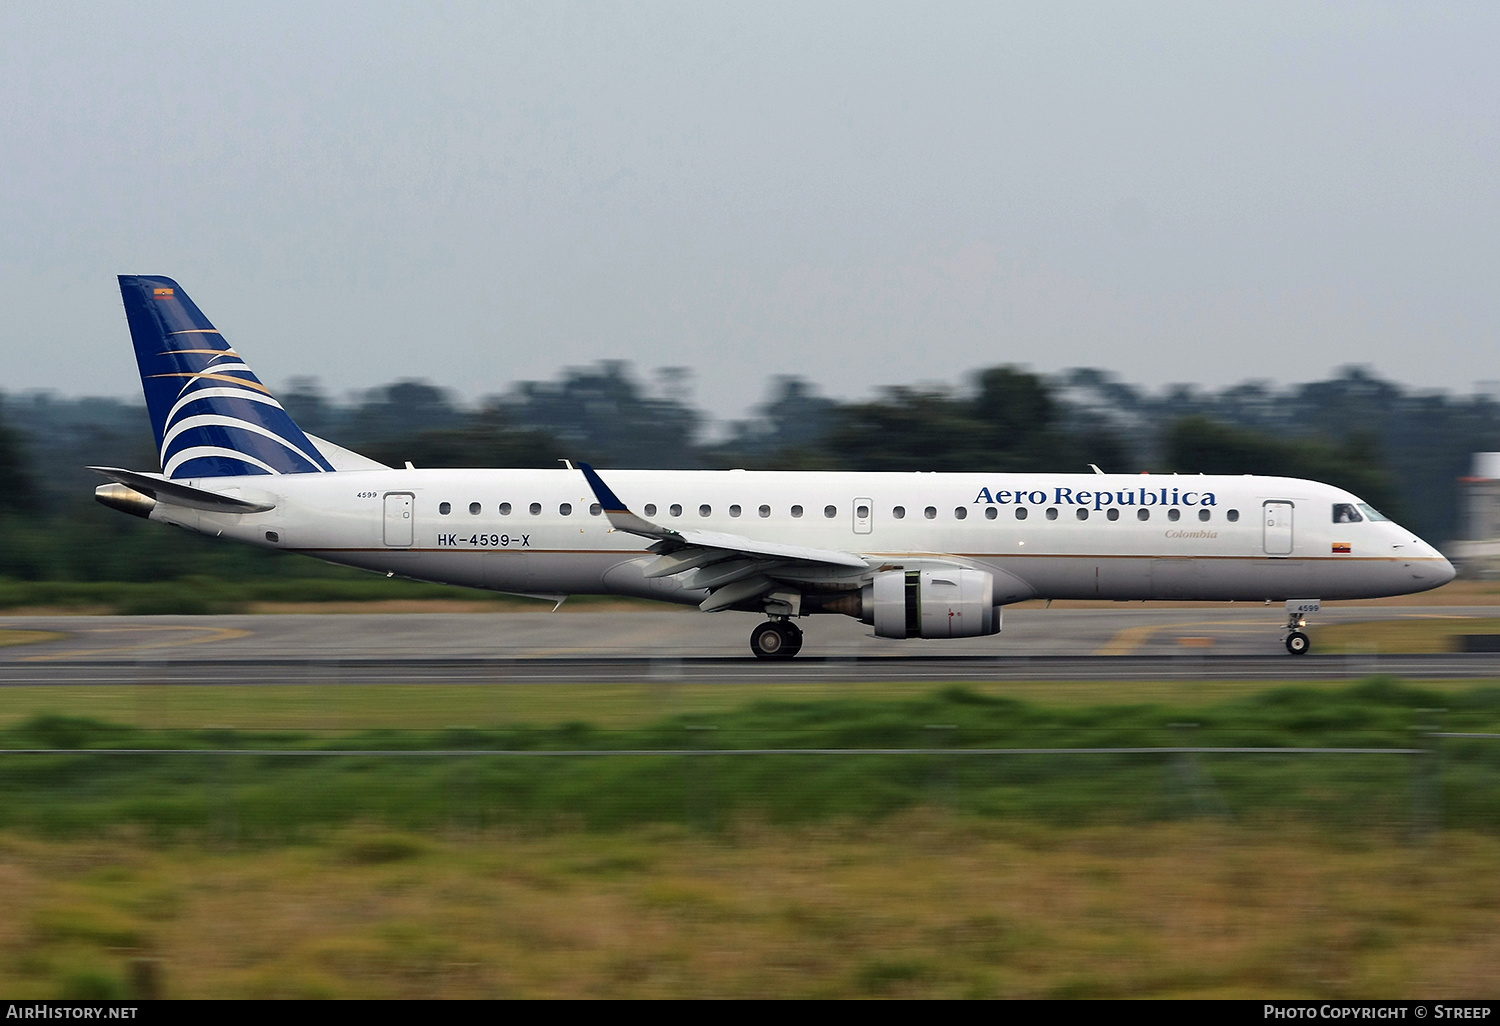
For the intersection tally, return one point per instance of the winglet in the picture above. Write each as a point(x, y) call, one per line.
point(620, 517)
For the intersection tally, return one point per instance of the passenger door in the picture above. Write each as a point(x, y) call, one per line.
point(1278, 521)
point(398, 519)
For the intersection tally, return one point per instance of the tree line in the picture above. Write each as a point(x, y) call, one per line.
point(1400, 449)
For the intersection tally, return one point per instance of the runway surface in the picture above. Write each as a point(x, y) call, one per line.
point(1128, 643)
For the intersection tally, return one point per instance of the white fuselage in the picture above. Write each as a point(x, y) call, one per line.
point(1042, 535)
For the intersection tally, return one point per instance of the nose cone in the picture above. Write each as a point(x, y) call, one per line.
point(1430, 569)
point(1445, 571)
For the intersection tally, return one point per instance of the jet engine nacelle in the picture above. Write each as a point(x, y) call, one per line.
point(931, 604)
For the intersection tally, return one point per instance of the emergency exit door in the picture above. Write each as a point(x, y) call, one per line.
point(1278, 521)
point(864, 516)
point(398, 519)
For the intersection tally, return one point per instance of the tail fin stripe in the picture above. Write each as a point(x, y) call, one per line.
point(220, 393)
point(201, 451)
point(203, 420)
point(213, 377)
point(196, 331)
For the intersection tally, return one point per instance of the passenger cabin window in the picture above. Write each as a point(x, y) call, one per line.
point(536, 509)
point(1051, 512)
point(1113, 514)
point(830, 511)
point(862, 512)
point(1174, 515)
point(705, 510)
point(796, 511)
point(566, 509)
point(1345, 513)
point(595, 509)
point(765, 511)
point(474, 509)
point(1143, 514)
point(898, 512)
point(444, 508)
point(990, 512)
point(676, 509)
point(1203, 515)
point(650, 509)
point(505, 509)
point(930, 512)
point(734, 510)
point(1232, 516)
point(1083, 514)
point(1022, 512)
point(960, 512)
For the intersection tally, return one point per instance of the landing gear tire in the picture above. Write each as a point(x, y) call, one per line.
point(794, 636)
point(776, 639)
point(1297, 643)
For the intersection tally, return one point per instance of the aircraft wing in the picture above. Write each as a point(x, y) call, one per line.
point(731, 567)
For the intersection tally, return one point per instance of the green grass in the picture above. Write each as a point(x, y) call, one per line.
point(1426, 634)
point(275, 797)
point(924, 904)
point(682, 875)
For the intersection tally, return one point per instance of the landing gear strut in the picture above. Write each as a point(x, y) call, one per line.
point(776, 639)
point(1297, 642)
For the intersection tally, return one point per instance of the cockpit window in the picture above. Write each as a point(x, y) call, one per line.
point(1372, 513)
point(1345, 513)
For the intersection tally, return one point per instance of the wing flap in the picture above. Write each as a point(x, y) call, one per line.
point(772, 550)
point(681, 560)
point(740, 591)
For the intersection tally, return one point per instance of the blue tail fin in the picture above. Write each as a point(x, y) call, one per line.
point(212, 416)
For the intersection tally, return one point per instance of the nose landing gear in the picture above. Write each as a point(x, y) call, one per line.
point(776, 639)
point(1297, 642)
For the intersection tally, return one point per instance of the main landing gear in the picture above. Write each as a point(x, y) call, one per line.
point(1297, 642)
point(776, 639)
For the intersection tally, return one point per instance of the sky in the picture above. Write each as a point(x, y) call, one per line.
point(863, 194)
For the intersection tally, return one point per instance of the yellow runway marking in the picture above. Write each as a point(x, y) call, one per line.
point(1130, 639)
point(207, 635)
point(21, 637)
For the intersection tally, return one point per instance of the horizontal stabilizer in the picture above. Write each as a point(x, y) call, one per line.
point(177, 494)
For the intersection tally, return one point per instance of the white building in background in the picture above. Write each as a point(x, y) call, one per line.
point(1477, 550)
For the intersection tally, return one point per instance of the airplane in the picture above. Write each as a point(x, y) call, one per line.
point(914, 555)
